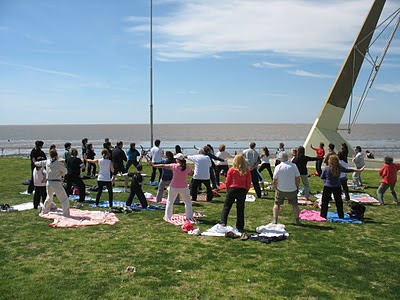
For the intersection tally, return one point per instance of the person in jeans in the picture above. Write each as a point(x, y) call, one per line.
point(238, 181)
point(301, 161)
point(178, 186)
point(388, 172)
point(104, 179)
point(253, 159)
point(166, 176)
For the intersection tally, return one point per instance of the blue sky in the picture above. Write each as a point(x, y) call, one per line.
point(215, 61)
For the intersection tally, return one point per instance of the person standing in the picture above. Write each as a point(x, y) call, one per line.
point(34, 156)
point(133, 155)
point(278, 152)
point(359, 162)
point(253, 159)
point(343, 176)
point(265, 164)
point(345, 152)
point(202, 165)
point(210, 153)
point(91, 166)
point(39, 181)
point(84, 149)
point(222, 166)
point(75, 165)
point(136, 188)
point(178, 185)
point(166, 176)
point(55, 170)
point(156, 155)
point(388, 172)
point(331, 177)
point(301, 162)
point(320, 154)
point(331, 151)
point(118, 158)
point(238, 182)
point(104, 179)
point(286, 183)
point(67, 153)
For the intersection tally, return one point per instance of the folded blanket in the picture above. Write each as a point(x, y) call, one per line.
point(333, 217)
point(271, 230)
point(311, 215)
point(80, 218)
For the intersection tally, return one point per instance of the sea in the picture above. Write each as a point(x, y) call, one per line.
point(18, 140)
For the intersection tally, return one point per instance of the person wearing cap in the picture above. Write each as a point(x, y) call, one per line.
point(178, 186)
point(34, 156)
point(55, 171)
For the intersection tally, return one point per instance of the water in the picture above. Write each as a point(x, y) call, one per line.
point(380, 139)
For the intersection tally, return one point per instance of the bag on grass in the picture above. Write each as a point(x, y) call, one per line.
point(357, 211)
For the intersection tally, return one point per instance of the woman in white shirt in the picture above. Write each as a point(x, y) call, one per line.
point(222, 166)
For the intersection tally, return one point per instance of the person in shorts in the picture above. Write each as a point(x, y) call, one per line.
point(286, 182)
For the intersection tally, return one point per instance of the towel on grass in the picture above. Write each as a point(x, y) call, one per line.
point(23, 206)
point(79, 218)
point(250, 198)
point(180, 219)
point(76, 197)
point(311, 215)
point(135, 206)
point(363, 198)
point(26, 193)
point(303, 201)
point(219, 230)
point(333, 217)
point(271, 230)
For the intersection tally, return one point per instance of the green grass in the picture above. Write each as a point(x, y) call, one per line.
point(317, 261)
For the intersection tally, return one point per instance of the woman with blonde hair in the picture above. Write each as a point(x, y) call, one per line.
point(332, 185)
point(238, 182)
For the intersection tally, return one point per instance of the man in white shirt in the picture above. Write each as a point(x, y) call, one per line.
point(202, 164)
point(286, 182)
point(253, 159)
point(359, 162)
point(156, 156)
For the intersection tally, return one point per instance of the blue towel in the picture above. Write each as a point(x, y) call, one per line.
point(333, 217)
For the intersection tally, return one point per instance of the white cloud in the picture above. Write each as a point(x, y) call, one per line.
point(309, 74)
point(198, 28)
point(66, 74)
point(389, 88)
point(265, 64)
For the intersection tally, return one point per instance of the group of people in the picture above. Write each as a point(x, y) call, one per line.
point(173, 169)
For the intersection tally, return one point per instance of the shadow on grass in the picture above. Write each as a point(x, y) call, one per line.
point(317, 227)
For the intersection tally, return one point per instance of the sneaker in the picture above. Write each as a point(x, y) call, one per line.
point(244, 237)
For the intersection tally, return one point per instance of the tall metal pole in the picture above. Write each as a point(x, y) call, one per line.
point(151, 73)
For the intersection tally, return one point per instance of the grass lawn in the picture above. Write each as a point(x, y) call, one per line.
point(317, 261)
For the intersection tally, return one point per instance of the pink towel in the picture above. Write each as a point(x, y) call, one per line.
point(154, 199)
point(180, 219)
point(311, 215)
point(80, 218)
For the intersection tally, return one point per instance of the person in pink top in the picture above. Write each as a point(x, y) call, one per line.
point(238, 182)
point(178, 186)
point(389, 179)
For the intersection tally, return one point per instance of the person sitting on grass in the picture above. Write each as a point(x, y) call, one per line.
point(136, 188)
point(331, 177)
point(55, 171)
point(178, 186)
point(238, 181)
point(388, 172)
point(104, 179)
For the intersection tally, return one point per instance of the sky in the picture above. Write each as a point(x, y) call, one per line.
point(214, 61)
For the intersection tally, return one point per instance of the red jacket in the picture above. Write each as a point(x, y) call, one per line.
point(235, 180)
point(320, 151)
point(389, 173)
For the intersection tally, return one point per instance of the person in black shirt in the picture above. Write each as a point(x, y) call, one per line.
point(136, 188)
point(91, 155)
point(36, 153)
point(301, 161)
point(84, 150)
point(74, 166)
point(118, 159)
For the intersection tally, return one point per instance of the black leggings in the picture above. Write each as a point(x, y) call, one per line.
point(238, 194)
point(326, 196)
point(80, 185)
point(139, 192)
point(220, 168)
point(268, 167)
point(40, 192)
point(108, 185)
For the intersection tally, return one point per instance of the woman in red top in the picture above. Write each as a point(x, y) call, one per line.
point(389, 179)
point(238, 182)
point(320, 154)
